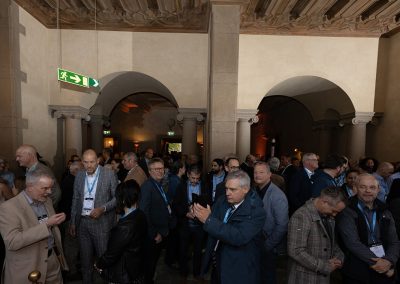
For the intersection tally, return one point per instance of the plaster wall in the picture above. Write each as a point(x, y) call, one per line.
point(34, 41)
point(266, 60)
point(383, 138)
point(179, 61)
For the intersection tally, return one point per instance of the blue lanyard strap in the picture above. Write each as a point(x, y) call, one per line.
point(371, 225)
point(90, 188)
point(161, 192)
point(130, 210)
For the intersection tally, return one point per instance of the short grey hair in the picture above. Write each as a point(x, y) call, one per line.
point(32, 177)
point(243, 177)
point(307, 156)
point(132, 155)
point(274, 163)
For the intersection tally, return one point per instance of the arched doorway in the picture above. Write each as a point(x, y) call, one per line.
point(133, 111)
point(303, 114)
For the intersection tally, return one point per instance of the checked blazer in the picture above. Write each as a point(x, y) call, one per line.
point(310, 247)
point(105, 196)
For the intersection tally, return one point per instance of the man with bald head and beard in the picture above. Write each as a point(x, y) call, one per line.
point(26, 156)
point(93, 210)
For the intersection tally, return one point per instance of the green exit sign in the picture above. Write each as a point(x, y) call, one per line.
point(76, 79)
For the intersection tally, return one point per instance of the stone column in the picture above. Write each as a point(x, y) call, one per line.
point(11, 77)
point(324, 129)
point(73, 116)
point(96, 132)
point(245, 118)
point(358, 131)
point(189, 118)
point(224, 53)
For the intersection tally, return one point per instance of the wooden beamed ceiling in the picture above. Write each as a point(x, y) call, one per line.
point(366, 18)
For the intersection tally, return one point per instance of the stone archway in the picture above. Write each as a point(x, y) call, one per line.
point(116, 87)
point(323, 118)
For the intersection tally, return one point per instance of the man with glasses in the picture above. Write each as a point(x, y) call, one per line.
point(368, 232)
point(312, 247)
point(190, 229)
point(232, 164)
point(154, 204)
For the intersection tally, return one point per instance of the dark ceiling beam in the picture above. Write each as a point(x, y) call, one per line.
point(336, 8)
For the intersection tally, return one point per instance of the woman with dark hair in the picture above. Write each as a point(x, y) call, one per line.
point(122, 263)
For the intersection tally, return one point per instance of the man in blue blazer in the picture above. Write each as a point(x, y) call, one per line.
point(235, 232)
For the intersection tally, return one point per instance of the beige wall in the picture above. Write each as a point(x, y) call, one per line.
point(265, 61)
point(384, 138)
point(35, 55)
point(179, 61)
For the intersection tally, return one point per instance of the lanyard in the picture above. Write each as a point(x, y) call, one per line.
point(161, 192)
point(90, 188)
point(371, 225)
point(130, 210)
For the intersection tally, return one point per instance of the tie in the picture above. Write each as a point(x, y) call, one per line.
point(228, 214)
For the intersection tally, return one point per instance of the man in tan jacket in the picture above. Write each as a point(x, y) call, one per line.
point(32, 239)
point(130, 163)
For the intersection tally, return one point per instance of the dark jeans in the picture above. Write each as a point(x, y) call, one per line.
point(152, 254)
point(268, 267)
point(190, 235)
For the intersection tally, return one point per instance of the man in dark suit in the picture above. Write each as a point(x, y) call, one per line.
point(231, 164)
point(154, 204)
point(300, 187)
point(144, 162)
point(93, 210)
point(235, 232)
point(190, 229)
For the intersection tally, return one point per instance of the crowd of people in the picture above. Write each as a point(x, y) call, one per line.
point(329, 219)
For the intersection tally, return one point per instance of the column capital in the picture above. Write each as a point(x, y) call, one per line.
point(191, 114)
point(76, 112)
point(357, 118)
point(249, 115)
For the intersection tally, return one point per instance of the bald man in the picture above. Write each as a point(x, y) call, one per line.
point(26, 156)
point(93, 211)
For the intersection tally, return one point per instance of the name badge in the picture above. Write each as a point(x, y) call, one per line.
point(42, 219)
point(378, 250)
point(88, 205)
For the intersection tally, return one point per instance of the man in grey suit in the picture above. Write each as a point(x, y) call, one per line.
point(276, 222)
point(93, 210)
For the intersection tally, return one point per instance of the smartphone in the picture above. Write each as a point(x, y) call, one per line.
point(200, 199)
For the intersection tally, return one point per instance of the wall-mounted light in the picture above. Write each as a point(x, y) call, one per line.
point(108, 142)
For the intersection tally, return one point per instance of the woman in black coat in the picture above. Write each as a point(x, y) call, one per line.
point(122, 263)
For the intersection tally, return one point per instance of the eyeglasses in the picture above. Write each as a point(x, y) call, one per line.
point(157, 169)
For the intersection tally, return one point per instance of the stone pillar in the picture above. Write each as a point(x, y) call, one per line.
point(324, 130)
point(11, 124)
point(224, 53)
point(356, 143)
point(189, 118)
point(73, 116)
point(96, 132)
point(245, 118)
